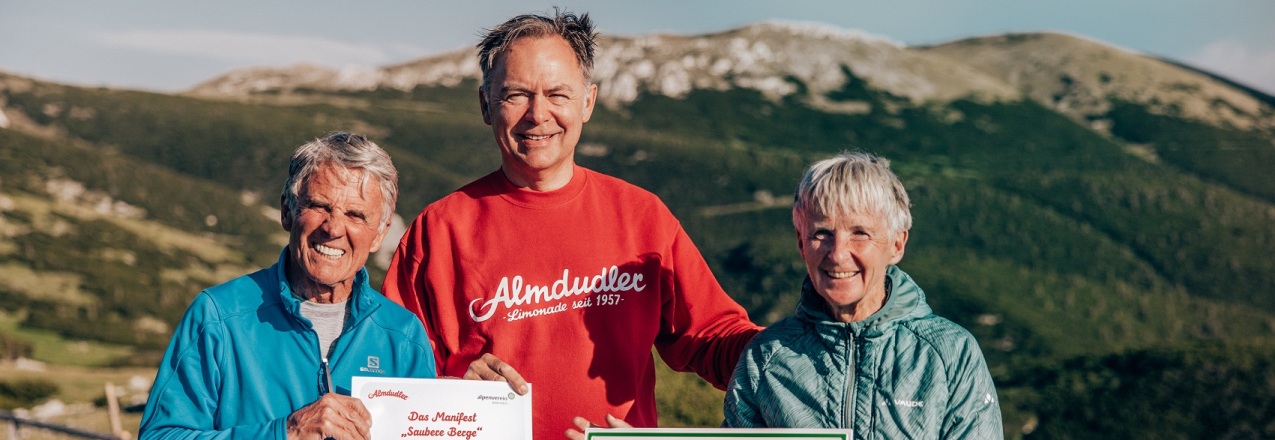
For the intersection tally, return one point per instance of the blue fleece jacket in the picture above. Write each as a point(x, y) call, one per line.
point(903, 373)
point(243, 358)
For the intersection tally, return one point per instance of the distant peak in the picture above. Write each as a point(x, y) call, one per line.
point(1050, 37)
point(815, 29)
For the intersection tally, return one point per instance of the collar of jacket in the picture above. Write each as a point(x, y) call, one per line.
point(904, 299)
point(359, 306)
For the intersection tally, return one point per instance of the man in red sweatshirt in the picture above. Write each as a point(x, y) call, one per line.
point(565, 273)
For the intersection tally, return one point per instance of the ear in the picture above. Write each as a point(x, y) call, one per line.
point(380, 236)
point(798, 222)
point(590, 98)
point(284, 218)
point(898, 246)
point(483, 105)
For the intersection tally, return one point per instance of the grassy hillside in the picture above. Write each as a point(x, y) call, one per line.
point(1069, 253)
point(103, 247)
point(1191, 392)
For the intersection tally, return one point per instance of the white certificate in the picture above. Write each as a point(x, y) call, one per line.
point(452, 409)
point(715, 433)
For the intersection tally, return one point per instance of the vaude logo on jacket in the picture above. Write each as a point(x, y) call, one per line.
point(904, 403)
point(373, 365)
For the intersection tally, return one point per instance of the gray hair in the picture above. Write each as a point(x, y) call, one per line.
point(578, 31)
point(349, 152)
point(854, 183)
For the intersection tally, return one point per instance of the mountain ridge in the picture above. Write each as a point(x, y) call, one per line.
point(810, 60)
point(1079, 76)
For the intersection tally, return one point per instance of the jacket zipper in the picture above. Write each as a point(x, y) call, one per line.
point(852, 373)
point(325, 377)
point(325, 368)
point(870, 423)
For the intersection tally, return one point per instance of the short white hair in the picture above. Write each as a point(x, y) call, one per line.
point(349, 152)
point(854, 183)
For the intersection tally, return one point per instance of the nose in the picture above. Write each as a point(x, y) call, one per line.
point(334, 225)
point(842, 249)
point(537, 109)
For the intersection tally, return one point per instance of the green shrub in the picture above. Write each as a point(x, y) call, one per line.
point(25, 393)
point(11, 347)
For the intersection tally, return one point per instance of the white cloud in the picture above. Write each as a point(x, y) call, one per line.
point(1232, 59)
point(254, 48)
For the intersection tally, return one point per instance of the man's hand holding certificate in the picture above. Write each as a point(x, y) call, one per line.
point(444, 408)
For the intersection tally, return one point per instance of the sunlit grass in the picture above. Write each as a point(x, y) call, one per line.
point(79, 388)
point(59, 287)
point(49, 347)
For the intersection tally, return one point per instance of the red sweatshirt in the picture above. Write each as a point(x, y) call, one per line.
point(572, 288)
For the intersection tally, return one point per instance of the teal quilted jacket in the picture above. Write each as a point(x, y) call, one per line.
point(903, 373)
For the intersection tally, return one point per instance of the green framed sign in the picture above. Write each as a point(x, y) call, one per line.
point(716, 433)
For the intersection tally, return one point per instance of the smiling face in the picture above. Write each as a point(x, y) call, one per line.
point(846, 257)
point(335, 228)
point(537, 104)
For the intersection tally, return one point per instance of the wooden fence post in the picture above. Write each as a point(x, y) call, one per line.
point(113, 410)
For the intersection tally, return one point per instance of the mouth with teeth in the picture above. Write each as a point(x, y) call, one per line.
point(328, 251)
point(531, 137)
point(839, 275)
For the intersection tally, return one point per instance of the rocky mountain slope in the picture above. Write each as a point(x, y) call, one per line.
point(761, 57)
point(1081, 77)
point(1071, 74)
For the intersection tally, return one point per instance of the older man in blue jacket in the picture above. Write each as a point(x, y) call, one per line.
point(271, 354)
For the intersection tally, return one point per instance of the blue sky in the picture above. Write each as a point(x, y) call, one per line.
point(171, 45)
